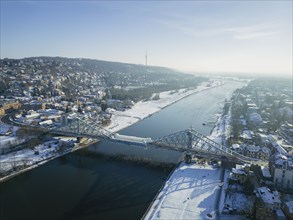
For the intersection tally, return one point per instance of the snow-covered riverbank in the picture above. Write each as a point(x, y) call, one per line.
point(192, 190)
point(190, 193)
point(23, 160)
point(144, 109)
point(27, 159)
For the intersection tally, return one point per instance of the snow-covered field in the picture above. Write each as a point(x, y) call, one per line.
point(143, 109)
point(239, 202)
point(15, 161)
point(27, 157)
point(10, 139)
point(189, 193)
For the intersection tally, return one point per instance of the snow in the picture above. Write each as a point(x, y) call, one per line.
point(266, 172)
point(119, 120)
point(267, 196)
point(224, 189)
point(189, 193)
point(290, 206)
point(221, 129)
point(27, 157)
point(144, 109)
point(5, 128)
point(238, 202)
point(11, 139)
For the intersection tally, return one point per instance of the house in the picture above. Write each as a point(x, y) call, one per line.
point(281, 167)
point(268, 202)
point(8, 104)
point(236, 147)
point(279, 215)
point(239, 173)
point(255, 119)
point(286, 131)
point(288, 209)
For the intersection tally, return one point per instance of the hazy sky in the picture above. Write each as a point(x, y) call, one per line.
point(211, 36)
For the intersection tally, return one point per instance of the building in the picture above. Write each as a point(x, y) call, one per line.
point(288, 209)
point(255, 119)
point(10, 104)
point(239, 173)
point(286, 131)
point(268, 202)
point(262, 153)
point(281, 167)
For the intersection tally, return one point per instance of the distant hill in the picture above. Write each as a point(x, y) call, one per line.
point(50, 76)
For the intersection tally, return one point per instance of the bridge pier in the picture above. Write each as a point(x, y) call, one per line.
point(188, 157)
point(228, 164)
point(78, 139)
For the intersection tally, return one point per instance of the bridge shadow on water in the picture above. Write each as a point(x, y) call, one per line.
point(124, 195)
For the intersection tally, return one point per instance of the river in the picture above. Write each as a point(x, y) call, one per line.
point(84, 185)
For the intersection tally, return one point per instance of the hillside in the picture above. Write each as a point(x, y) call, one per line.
point(68, 77)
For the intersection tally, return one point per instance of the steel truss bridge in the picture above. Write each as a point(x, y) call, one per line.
point(189, 141)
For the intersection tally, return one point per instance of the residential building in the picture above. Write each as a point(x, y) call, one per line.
point(281, 167)
point(288, 209)
point(268, 202)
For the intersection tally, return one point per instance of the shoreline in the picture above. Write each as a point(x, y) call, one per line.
point(142, 110)
point(39, 163)
point(130, 114)
point(156, 207)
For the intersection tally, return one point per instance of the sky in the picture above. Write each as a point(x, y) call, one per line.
point(198, 36)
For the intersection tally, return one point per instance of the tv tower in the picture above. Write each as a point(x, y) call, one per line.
point(146, 57)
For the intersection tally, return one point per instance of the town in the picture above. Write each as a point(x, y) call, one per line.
point(37, 92)
point(261, 127)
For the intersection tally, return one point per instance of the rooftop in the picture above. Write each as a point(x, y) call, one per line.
point(267, 196)
point(290, 206)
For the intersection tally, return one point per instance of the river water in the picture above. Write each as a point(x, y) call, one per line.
point(84, 185)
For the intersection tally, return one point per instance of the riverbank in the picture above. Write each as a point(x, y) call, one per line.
point(24, 160)
point(120, 120)
point(144, 109)
point(194, 191)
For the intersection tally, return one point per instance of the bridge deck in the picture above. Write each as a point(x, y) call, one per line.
point(130, 139)
point(188, 140)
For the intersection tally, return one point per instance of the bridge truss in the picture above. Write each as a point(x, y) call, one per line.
point(189, 140)
point(82, 127)
point(193, 142)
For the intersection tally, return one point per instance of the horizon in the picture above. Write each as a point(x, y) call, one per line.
point(196, 37)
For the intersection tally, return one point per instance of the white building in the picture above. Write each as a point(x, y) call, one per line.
point(282, 170)
point(262, 153)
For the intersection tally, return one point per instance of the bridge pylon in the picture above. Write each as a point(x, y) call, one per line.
point(188, 155)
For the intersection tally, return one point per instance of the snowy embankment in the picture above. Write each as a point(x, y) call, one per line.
point(27, 159)
point(11, 139)
point(192, 191)
point(20, 161)
point(189, 193)
point(221, 129)
point(144, 109)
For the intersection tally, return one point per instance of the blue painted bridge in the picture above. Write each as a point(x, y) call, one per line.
point(189, 141)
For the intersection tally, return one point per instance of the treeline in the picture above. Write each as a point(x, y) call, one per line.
point(145, 93)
